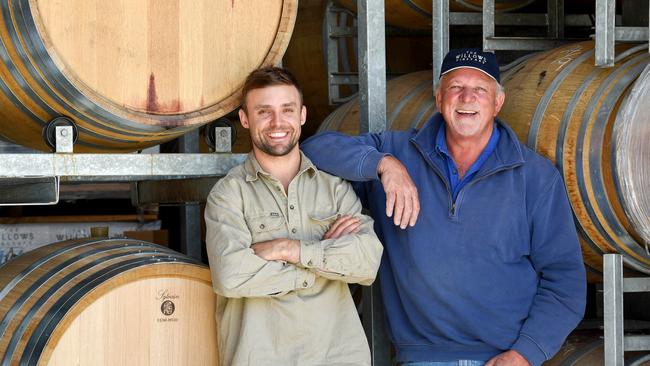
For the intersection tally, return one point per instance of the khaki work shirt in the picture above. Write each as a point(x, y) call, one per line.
point(276, 313)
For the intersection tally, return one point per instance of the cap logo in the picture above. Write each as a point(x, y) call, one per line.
point(472, 57)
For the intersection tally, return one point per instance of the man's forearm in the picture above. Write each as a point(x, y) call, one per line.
point(354, 158)
point(287, 250)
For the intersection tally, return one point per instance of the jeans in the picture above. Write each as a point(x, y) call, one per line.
point(447, 363)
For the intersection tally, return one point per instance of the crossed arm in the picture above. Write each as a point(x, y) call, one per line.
point(288, 250)
point(349, 251)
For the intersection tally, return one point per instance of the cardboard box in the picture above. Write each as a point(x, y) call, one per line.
point(15, 239)
point(160, 237)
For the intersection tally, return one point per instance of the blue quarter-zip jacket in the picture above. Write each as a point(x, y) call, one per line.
point(500, 268)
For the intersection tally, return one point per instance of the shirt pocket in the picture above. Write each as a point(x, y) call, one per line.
point(266, 226)
point(319, 223)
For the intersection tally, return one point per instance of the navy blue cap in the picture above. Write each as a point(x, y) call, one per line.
point(473, 58)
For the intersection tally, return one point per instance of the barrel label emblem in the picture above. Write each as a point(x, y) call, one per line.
point(167, 307)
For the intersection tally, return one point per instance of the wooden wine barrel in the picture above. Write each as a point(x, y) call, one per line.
point(592, 122)
point(131, 74)
point(306, 57)
point(106, 302)
point(409, 103)
point(586, 348)
point(589, 121)
point(416, 14)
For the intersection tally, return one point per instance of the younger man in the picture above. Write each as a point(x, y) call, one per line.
point(283, 241)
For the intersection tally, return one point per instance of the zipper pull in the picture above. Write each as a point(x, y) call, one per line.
point(453, 209)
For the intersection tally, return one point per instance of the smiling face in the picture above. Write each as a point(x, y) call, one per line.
point(274, 116)
point(469, 100)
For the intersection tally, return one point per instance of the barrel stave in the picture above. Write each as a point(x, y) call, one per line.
point(131, 74)
point(573, 113)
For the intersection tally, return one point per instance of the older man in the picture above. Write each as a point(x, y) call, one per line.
point(284, 239)
point(492, 272)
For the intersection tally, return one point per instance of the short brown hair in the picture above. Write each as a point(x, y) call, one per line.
point(268, 76)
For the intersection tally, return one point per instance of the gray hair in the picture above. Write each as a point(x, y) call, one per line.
point(500, 88)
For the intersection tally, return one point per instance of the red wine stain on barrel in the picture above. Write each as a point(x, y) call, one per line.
point(152, 99)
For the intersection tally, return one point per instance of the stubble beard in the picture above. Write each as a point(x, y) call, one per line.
point(467, 127)
point(278, 150)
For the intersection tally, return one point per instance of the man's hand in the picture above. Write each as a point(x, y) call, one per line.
point(402, 202)
point(508, 358)
point(278, 250)
point(344, 225)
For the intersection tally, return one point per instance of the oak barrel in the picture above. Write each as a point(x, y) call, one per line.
point(591, 122)
point(416, 14)
point(409, 103)
point(586, 348)
point(131, 74)
point(106, 302)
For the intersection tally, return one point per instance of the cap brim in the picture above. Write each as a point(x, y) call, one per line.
point(469, 67)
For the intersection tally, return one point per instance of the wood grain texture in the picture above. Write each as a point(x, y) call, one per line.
point(409, 103)
point(110, 296)
point(133, 74)
point(576, 93)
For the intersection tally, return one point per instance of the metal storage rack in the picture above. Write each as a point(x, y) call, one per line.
point(34, 179)
point(614, 285)
point(607, 33)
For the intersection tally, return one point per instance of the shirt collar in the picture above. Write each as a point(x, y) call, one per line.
point(254, 170)
point(441, 141)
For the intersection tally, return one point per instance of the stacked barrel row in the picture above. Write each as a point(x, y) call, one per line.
point(135, 74)
point(589, 121)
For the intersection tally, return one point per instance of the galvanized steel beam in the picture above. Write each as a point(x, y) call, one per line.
point(605, 24)
point(117, 167)
point(488, 24)
point(637, 343)
point(521, 43)
point(372, 101)
point(332, 55)
point(372, 65)
point(613, 308)
point(636, 284)
point(631, 34)
point(520, 19)
point(440, 36)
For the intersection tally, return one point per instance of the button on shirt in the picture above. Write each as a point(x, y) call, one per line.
point(277, 313)
point(453, 178)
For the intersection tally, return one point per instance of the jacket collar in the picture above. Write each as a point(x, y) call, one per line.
point(254, 170)
point(507, 153)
